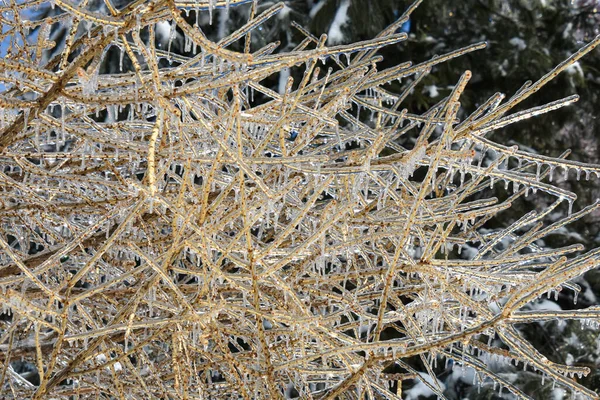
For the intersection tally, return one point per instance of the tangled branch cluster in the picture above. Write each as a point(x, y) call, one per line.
point(180, 230)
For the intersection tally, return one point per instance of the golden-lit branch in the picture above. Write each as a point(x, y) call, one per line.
point(179, 229)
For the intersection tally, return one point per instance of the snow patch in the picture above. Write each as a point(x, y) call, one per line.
point(545, 305)
point(575, 69)
point(570, 234)
point(548, 305)
point(468, 252)
point(518, 43)
point(315, 9)
point(420, 389)
point(284, 74)
point(162, 31)
point(432, 91)
point(335, 34)
point(503, 67)
point(462, 374)
point(588, 292)
point(285, 12)
point(558, 394)
point(567, 32)
point(570, 359)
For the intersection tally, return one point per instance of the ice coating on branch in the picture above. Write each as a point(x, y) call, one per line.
point(181, 227)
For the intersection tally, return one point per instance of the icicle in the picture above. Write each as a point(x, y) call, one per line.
point(62, 123)
point(347, 55)
point(481, 156)
point(570, 211)
point(25, 118)
point(121, 56)
point(187, 43)
point(172, 35)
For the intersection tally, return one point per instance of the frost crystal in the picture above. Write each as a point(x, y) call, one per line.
point(178, 229)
